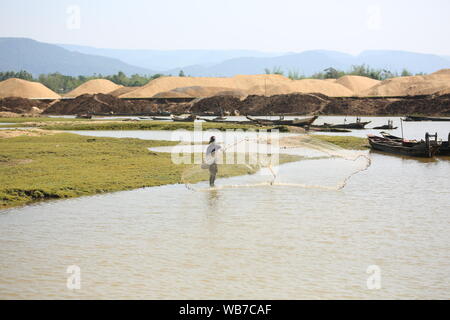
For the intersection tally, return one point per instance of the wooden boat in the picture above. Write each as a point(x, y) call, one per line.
point(161, 119)
point(218, 119)
point(418, 118)
point(355, 125)
point(426, 148)
point(389, 126)
point(189, 118)
point(281, 122)
point(391, 137)
point(84, 116)
point(444, 146)
point(323, 128)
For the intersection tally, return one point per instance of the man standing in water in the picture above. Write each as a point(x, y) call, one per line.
point(213, 147)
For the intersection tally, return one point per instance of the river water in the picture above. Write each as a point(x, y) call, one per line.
point(259, 242)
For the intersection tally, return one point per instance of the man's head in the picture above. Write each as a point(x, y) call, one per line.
point(212, 139)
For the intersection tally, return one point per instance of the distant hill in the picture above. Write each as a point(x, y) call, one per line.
point(169, 59)
point(37, 58)
point(310, 62)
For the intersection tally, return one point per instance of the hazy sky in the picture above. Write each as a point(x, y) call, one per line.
point(276, 25)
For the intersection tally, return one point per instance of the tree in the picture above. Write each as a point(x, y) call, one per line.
point(406, 73)
point(181, 73)
point(331, 73)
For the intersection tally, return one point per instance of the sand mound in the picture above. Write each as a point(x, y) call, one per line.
point(199, 92)
point(25, 89)
point(171, 94)
point(443, 72)
point(444, 91)
point(409, 86)
point(327, 88)
point(357, 84)
point(92, 87)
point(165, 84)
point(122, 90)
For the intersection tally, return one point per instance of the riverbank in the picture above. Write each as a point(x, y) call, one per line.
point(63, 165)
point(120, 124)
point(39, 165)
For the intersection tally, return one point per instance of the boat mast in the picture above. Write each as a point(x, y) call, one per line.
point(401, 124)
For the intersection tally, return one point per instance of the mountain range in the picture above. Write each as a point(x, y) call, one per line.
point(37, 58)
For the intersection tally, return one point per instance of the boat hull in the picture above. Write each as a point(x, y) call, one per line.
point(412, 149)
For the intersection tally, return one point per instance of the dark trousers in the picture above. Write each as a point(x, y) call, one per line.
point(212, 174)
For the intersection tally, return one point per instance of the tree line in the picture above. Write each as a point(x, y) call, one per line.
point(332, 73)
point(62, 84)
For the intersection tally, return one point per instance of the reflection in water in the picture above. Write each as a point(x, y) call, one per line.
point(213, 199)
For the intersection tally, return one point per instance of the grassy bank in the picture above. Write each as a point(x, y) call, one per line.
point(80, 124)
point(64, 165)
point(346, 142)
point(19, 120)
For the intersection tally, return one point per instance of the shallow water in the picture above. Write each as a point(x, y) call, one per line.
point(242, 240)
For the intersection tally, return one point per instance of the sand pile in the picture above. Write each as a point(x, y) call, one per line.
point(328, 88)
point(443, 72)
point(199, 92)
point(98, 104)
point(166, 84)
point(25, 89)
point(411, 86)
point(122, 90)
point(357, 84)
point(22, 105)
point(92, 87)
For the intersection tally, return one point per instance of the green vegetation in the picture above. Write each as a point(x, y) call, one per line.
point(133, 125)
point(332, 73)
point(36, 119)
point(346, 142)
point(66, 165)
point(63, 84)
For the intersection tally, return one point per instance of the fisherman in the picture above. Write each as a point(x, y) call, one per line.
point(211, 151)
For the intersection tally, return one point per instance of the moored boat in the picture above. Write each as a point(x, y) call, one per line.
point(84, 116)
point(161, 119)
point(189, 118)
point(420, 118)
point(281, 122)
point(427, 148)
point(389, 126)
point(355, 125)
point(444, 146)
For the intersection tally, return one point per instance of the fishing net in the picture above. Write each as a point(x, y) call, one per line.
point(250, 159)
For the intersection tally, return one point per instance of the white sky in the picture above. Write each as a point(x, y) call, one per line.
point(276, 25)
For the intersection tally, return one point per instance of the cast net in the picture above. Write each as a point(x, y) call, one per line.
point(250, 159)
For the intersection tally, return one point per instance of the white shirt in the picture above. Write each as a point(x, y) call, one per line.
point(211, 152)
